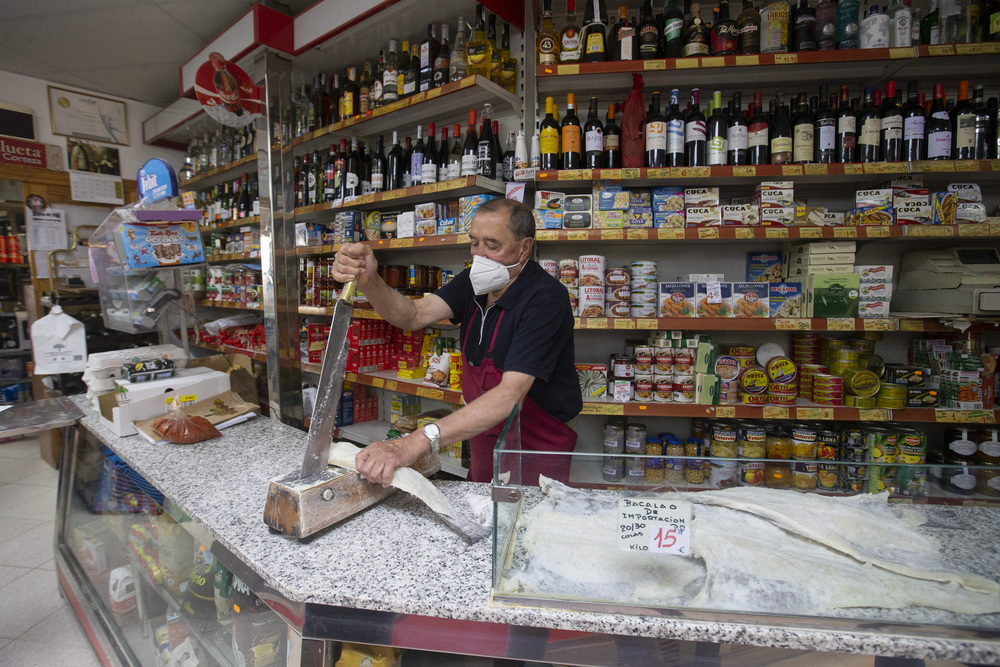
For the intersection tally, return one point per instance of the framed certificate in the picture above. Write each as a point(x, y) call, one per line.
point(85, 116)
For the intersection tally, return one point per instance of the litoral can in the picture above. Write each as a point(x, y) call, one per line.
point(550, 266)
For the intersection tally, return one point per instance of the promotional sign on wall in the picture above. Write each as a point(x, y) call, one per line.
point(23, 153)
point(227, 93)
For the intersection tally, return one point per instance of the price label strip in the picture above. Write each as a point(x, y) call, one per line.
point(650, 524)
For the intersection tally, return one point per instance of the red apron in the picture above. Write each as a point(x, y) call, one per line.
point(540, 431)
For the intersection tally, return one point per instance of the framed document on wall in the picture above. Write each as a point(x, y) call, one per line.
point(85, 116)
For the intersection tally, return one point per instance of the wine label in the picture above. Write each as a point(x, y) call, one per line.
point(892, 127)
point(939, 144)
point(470, 165)
point(913, 128)
point(869, 132)
point(611, 141)
point(803, 143)
point(758, 135)
point(965, 131)
point(594, 140)
point(827, 137)
point(570, 51)
point(428, 173)
point(781, 145)
point(656, 136)
point(571, 139)
point(378, 181)
point(595, 42)
point(695, 131)
point(736, 137)
point(549, 141)
point(672, 29)
point(675, 136)
point(717, 146)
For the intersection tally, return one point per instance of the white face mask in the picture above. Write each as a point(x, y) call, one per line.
point(488, 275)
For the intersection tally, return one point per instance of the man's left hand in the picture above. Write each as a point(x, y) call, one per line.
point(378, 461)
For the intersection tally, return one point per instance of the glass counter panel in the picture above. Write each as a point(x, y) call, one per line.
point(709, 537)
point(153, 579)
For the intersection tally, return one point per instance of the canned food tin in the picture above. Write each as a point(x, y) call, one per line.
point(753, 399)
point(860, 383)
point(740, 350)
point(827, 400)
point(893, 391)
point(724, 441)
point(753, 380)
point(644, 296)
point(683, 389)
point(663, 389)
point(825, 380)
point(781, 370)
point(592, 270)
point(723, 474)
point(804, 474)
point(803, 441)
point(683, 361)
point(881, 444)
point(617, 292)
point(781, 399)
point(863, 402)
point(644, 389)
point(889, 404)
point(782, 388)
point(616, 277)
point(751, 473)
point(727, 368)
point(768, 351)
point(550, 266)
point(643, 268)
point(912, 445)
point(642, 310)
point(852, 435)
point(644, 284)
point(643, 358)
point(618, 308)
point(828, 476)
point(664, 360)
point(827, 444)
point(569, 272)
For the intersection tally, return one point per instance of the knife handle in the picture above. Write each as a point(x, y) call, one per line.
point(347, 294)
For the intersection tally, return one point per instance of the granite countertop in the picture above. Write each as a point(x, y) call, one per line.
point(398, 557)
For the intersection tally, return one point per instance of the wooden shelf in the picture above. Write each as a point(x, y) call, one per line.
point(456, 187)
point(803, 411)
point(771, 233)
point(232, 224)
point(232, 257)
point(235, 305)
point(12, 265)
point(445, 105)
point(361, 314)
point(758, 324)
point(219, 174)
point(437, 241)
point(228, 349)
point(388, 380)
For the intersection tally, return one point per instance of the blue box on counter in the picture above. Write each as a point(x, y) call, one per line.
point(170, 238)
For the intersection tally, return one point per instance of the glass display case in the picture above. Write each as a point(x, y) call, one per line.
point(720, 526)
point(147, 575)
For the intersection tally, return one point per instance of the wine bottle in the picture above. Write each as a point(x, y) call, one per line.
point(470, 148)
point(869, 126)
point(365, 89)
point(416, 165)
point(457, 153)
point(612, 155)
point(847, 128)
point(403, 68)
point(379, 166)
point(351, 105)
point(444, 156)
point(963, 125)
point(675, 131)
point(572, 153)
point(914, 144)
point(649, 33)
point(411, 77)
point(486, 157)
point(748, 30)
point(930, 27)
point(891, 126)
point(442, 62)
point(655, 135)
point(375, 90)
point(407, 160)
point(497, 149)
point(394, 164)
point(593, 138)
point(673, 30)
point(570, 50)
point(695, 133)
point(330, 175)
point(984, 130)
point(549, 137)
point(508, 64)
point(717, 131)
point(429, 162)
point(243, 209)
point(724, 32)
point(366, 168)
point(737, 134)
point(780, 130)
point(825, 129)
point(803, 133)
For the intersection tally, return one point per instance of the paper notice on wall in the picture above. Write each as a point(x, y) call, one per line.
point(46, 231)
point(96, 188)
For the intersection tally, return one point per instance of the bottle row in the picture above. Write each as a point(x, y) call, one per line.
point(12, 251)
point(356, 170)
point(232, 200)
point(812, 129)
point(770, 26)
point(400, 74)
point(228, 144)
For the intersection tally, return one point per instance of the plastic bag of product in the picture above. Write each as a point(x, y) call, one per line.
point(633, 119)
point(183, 429)
point(439, 370)
point(243, 319)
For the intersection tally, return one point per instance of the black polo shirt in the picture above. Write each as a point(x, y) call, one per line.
point(535, 335)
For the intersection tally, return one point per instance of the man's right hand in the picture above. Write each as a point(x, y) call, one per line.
point(355, 259)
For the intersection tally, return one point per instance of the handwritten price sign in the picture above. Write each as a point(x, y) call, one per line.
point(649, 524)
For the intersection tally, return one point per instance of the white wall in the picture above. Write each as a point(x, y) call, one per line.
point(29, 92)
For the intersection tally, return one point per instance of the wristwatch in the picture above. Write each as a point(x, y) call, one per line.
point(433, 434)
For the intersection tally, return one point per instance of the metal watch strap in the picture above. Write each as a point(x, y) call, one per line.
point(433, 433)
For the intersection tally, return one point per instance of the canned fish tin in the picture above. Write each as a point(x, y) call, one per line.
point(550, 266)
point(782, 388)
point(781, 399)
point(781, 370)
point(863, 402)
point(768, 351)
point(753, 399)
point(753, 380)
point(804, 474)
point(893, 391)
point(663, 389)
point(643, 268)
point(727, 367)
point(740, 350)
point(860, 383)
point(644, 296)
point(592, 270)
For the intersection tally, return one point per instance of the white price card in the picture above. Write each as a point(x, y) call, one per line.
point(650, 524)
point(714, 291)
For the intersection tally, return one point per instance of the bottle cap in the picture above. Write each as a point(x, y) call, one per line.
point(571, 98)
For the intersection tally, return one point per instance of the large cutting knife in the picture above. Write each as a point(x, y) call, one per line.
point(331, 381)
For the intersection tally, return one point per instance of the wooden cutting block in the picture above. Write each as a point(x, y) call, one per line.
point(300, 507)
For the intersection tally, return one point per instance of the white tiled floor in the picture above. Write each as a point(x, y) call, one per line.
point(37, 626)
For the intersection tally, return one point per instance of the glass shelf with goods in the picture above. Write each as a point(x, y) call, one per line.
point(208, 228)
point(221, 174)
point(410, 243)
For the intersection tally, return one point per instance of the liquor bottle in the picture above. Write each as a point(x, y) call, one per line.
point(900, 24)
point(470, 148)
point(869, 128)
point(509, 151)
point(593, 138)
point(612, 134)
point(717, 130)
point(655, 135)
point(570, 49)
point(308, 185)
point(316, 182)
point(444, 156)
point(442, 61)
point(673, 30)
point(352, 173)
point(375, 88)
point(366, 168)
point(458, 62)
point(508, 64)
point(457, 153)
point(243, 208)
point(625, 41)
point(724, 33)
point(984, 131)
point(874, 30)
point(572, 151)
point(323, 102)
point(963, 125)
point(803, 133)
point(549, 137)
point(695, 133)
point(804, 28)
point(826, 25)
point(402, 68)
point(521, 159)
point(486, 147)
point(891, 126)
point(748, 30)
point(780, 130)
point(330, 175)
point(365, 89)
point(225, 154)
point(737, 134)
point(930, 26)
point(675, 131)
point(296, 179)
point(847, 24)
point(380, 166)
point(914, 144)
point(430, 51)
point(390, 75)
point(593, 38)
point(394, 164)
point(497, 149)
point(825, 129)
point(491, 37)
point(480, 49)
point(547, 42)
point(407, 161)
point(351, 104)
point(535, 156)
point(301, 192)
point(649, 33)
point(847, 124)
point(758, 137)
point(423, 159)
point(312, 112)
point(696, 39)
point(774, 28)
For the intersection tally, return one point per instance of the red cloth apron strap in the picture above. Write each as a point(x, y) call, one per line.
point(540, 431)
